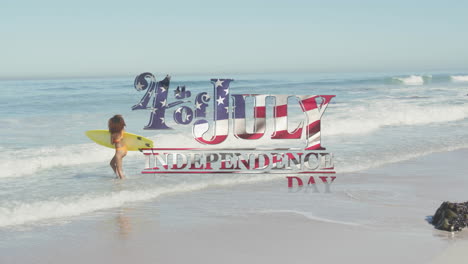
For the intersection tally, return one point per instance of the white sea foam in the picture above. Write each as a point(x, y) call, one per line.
point(362, 120)
point(17, 212)
point(16, 163)
point(389, 159)
point(459, 78)
point(411, 80)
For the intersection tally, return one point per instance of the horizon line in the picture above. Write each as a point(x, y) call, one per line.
point(127, 75)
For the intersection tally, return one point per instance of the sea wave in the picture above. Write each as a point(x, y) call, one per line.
point(362, 120)
point(459, 78)
point(392, 158)
point(17, 212)
point(413, 79)
point(28, 161)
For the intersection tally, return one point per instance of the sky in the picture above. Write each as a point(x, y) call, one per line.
point(122, 38)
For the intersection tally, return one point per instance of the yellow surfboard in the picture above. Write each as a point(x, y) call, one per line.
point(133, 142)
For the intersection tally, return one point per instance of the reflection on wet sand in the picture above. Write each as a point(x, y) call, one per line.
point(124, 223)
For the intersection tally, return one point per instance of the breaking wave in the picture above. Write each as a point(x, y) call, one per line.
point(412, 79)
point(459, 78)
point(18, 213)
point(389, 159)
point(367, 120)
point(16, 163)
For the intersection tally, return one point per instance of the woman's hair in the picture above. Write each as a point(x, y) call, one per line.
point(116, 124)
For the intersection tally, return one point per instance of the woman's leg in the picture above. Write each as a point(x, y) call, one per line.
point(119, 165)
point(113, 165)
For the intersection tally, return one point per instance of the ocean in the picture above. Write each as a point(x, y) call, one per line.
point(52, 174)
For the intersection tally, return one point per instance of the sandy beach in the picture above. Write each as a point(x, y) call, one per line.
point(177, 229)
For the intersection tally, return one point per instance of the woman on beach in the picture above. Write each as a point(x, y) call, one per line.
point(116, 129)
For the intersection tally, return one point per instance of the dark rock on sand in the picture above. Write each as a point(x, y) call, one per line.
point(451, 216)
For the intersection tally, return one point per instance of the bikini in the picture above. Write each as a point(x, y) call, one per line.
point(124, 147)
